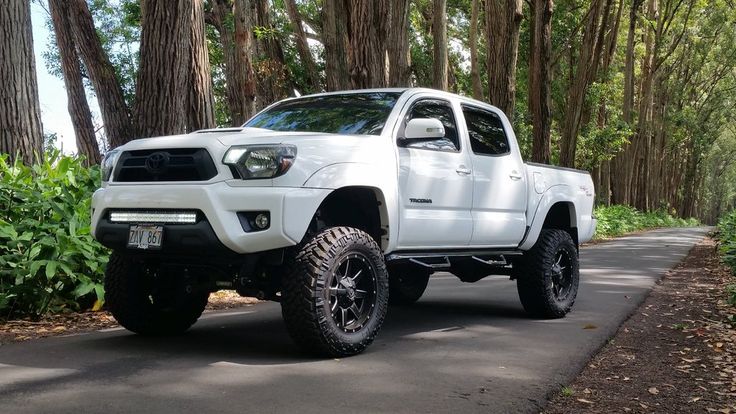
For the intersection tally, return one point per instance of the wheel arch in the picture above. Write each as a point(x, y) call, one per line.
point(555, 210)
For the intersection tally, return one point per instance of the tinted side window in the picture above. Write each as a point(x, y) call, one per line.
point(486, 132)
point(441, 110)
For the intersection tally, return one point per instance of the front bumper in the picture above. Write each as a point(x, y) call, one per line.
point(291, 211)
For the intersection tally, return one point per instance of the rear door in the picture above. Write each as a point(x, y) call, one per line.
point(499, 185)
point(435, 182)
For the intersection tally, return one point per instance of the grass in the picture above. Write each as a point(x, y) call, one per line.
point(618, 220)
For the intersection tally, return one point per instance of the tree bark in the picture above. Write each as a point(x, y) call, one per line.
point(439, 44)
point(20, 115)
point(302, 46)
point(585, 72)
point(473, 39)
point(271, 73)
point(201, 106)
point(503, 20)
point(367, 52)
point(540, 80)
point(161, 89)
point(244, 87)
point(113, 109)
point(335, 16)
point(77, 104)
point(398, 45)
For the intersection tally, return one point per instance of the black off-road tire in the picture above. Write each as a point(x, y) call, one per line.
point(306, 302)
point(129, 298)
point(540, 286)
point(406, 286)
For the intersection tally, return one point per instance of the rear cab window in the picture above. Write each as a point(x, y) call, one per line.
point(486, 132)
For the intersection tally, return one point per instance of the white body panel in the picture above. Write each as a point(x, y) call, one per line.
point(500, 203)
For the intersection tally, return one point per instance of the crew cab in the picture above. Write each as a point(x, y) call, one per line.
point(337, 205)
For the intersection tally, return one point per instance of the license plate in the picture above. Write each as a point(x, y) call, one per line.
point(143, 236)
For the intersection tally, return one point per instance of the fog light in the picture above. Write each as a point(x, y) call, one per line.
point(261, 221)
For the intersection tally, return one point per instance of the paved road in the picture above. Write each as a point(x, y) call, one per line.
point(463, 348)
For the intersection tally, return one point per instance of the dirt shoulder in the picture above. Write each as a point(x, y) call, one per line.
point(70, 323)
point(675, 354)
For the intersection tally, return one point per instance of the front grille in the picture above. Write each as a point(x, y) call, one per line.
point(180, 164)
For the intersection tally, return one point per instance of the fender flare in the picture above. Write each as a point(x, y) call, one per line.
point(562, 194)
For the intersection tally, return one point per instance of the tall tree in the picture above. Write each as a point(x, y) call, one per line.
point(113, 109)
point(244, 87)
point(503, 20)
point(399, 57)
point(77, 104)
point(20, 115)
point(201, 103)
point(305, 54)
point(273, 78)
point(585, 73)
point(335, 16)
point(161, 90)
point(367, 50)
point(540, 79)
point(473, 40)
point(439, 44)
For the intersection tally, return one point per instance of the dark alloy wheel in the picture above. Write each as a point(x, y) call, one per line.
point(147, 302)
point(407, 284)
point(335, 295)
point(548, 275)
point(352, 293)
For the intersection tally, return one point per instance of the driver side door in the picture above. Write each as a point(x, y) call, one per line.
point(435, 182)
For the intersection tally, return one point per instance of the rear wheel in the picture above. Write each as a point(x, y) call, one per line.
point(407, 285)
point(335, 296)
point(549, 274)
point(144, 301)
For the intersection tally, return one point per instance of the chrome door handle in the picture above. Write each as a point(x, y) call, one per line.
point(462, 170)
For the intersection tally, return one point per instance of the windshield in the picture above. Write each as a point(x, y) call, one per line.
point(354, 113)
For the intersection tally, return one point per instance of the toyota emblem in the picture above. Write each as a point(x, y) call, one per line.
point(157, 162)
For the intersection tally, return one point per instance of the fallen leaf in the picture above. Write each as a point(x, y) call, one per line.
point(694, 399)
point(584, 401)
point(653, 391)
point(590, 326)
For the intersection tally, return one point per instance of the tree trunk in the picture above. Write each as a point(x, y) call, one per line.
point(161, 89)
point(540, 80)
point(474, 63)
point(20, 116)
point(439, 44)
point(587, 67)
point(271, 73)
point(624, 161)
point(398, 45)
point(335, 16)
point(367, 50)
point(305, 54)
point(503, 20)
point(201, 107)
point(113, 109)
point(244, 87)
point(77, 104)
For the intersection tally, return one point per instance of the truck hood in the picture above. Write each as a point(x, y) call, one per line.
point(314, 150)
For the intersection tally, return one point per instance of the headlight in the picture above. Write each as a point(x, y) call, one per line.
point(260, 161)
point(108, 164)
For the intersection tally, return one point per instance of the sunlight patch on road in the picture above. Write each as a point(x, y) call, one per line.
point(12, 375)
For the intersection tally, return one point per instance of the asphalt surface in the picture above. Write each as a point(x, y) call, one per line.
point(462, 348)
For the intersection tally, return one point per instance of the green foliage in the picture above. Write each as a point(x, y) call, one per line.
point(727, 237)
point(618, 220)
point(48, 259)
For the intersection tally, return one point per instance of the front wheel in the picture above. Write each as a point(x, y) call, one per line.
point(143, 301)
point(335, 296)
point(548, 275)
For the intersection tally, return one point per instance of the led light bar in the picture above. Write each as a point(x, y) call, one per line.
point(172, 217)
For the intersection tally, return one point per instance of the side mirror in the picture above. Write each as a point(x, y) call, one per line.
point(424, 128)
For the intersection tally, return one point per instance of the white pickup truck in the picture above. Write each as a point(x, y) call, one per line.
point(336, 205)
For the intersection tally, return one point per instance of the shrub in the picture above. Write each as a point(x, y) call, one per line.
point(48, 259)
point(727, 238)
point(617, 220)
